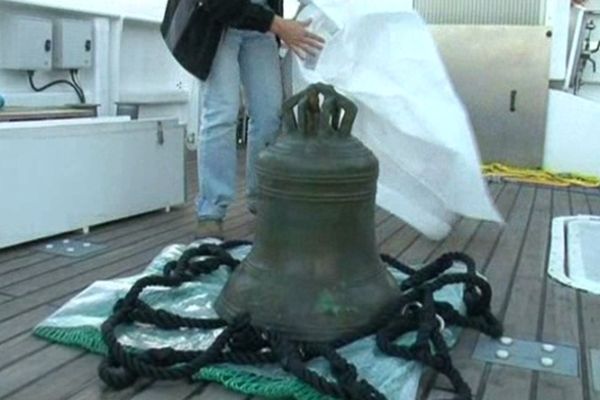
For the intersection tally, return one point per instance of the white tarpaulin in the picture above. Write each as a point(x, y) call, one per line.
point(382, 56)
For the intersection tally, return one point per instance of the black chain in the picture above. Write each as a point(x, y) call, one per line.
point(241, 343)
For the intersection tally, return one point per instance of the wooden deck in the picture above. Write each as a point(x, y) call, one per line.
point(33, 284)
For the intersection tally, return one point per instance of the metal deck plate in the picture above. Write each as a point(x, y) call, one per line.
point(595, 361)
point(71, 248)
point(557, 359)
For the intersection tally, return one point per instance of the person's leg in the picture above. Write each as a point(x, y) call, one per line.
point(261, 77)
point(217, 149)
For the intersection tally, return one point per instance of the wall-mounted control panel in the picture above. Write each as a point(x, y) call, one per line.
point(26, 43)
point(73, 44)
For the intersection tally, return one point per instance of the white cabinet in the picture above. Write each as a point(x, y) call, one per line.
point(62, 176)
point(501, 73)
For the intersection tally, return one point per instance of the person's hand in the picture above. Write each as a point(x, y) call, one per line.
point(295, 35)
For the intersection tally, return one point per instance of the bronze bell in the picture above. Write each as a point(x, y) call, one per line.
point(314, 273)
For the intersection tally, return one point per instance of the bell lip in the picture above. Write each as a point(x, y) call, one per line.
point(364, 328)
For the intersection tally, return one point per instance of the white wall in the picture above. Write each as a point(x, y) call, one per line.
point(140, 9)
point(151, 9)
point(573, 134)
point(14, 84)
point(131, 61)
point(557, 17)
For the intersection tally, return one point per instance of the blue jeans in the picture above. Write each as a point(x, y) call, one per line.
point(249, 59)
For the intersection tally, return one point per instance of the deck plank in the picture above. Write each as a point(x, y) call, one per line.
point(419, 250)
point(24, 281)
point(95, 389)
point(560, 323)
point(15, 264)
point(458, 240)
point(590, 304)
point(587, 307)
point(151, 254)
point(39, 281)
point(47, 273)
point(26, 254)
point(15, 252)
point(124, 259)
point(216, 392)
point(560, 320)
point(22, 322)
point(186, 238)
point(30, 274)
point(425, 250)
point(19, 347)
point(120, 235)
point(100, 234)
point(481, 248)
point(137, 250)
point(523, 303)
point(61, 382)
point(401, 240)
point(15, 270)
point(29, 369)
point(176, 390)
point(388, 227)
point(500, 272)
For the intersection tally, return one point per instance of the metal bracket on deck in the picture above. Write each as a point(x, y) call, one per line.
point(71, 248)
point(544, 357)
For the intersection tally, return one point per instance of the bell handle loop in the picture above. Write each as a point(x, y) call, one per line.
point(330, 114)
point(336, 116)
point(308, 114)
point(311, 115)
point(302, 117)
point(289, 121)
point(289, 118)
point(350, 111)
point(333, 106)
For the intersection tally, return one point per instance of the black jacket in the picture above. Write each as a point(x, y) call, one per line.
point(192, 29)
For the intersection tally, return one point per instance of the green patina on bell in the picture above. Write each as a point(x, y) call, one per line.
point(314, 273)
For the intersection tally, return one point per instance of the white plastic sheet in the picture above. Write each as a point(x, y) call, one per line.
point(382, 56)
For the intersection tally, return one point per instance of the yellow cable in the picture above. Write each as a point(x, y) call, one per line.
point(540, 177)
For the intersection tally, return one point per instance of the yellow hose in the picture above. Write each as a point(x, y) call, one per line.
point(538, 176)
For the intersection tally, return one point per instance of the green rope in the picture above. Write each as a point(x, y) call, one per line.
point(250, 384)
point(85, 337)
point(89, 338)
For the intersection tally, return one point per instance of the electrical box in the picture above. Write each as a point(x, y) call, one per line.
point(73, 44)
point(25, 43)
